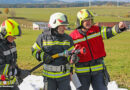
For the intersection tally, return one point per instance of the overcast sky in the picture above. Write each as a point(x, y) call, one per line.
point(94, 0)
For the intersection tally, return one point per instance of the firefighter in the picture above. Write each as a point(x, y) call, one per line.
point(56, 71)
point(91, 68)
point(9, 71)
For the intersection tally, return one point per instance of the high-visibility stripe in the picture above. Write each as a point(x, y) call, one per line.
point(6, 69)
point(114, 30)
point(47, 43)
point(13, 81)
point(8, 52)
point(34, 53)
point(71, 48)
point(68, 58)
point(36, 46)
point(10, 82)
point(56, 74)
point(103, 32)
point(73, 66)
point(13, 50)
point(79, 40)
point(82, 69)
point(94, 35)
point(97, 67)
point(41, 55)
point(89, 37)
point(87, 69)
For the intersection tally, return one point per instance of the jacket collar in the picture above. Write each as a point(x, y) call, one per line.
point(81, 32)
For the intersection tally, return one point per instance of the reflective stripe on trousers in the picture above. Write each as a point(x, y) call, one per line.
point(88, 69)
point(56, 74)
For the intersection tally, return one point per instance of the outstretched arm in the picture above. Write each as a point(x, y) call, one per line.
point(108, 32)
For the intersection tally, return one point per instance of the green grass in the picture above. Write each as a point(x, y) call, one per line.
point(118, 58)
point(24, 44)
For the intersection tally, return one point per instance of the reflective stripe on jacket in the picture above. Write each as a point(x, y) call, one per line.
point(92, 40)
point(52, 44)
point(8, 58)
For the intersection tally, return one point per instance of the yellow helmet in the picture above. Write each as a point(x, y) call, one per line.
point(84, 14)
point(10, 28)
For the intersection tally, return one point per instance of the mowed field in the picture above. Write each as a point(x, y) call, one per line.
point(117, 48)
point(102, 14)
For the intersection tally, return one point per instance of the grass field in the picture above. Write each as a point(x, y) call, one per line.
point(118, 58)
point(102, 14)
point(117, 48)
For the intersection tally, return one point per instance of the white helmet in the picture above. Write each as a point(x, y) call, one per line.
point(57, 19)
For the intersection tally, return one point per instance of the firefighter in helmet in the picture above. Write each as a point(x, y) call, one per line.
point(56, 71)
point(91, 68)
point(9, 71)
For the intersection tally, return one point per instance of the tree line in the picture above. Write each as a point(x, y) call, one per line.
point(59, 5)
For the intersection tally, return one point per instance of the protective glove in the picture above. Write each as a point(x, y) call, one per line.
point(74, 59)
point(22, 74)
point(47, 58)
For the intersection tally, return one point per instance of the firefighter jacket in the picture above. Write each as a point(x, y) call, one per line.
point(50, 43)
point(8, 56)
point(92, 40)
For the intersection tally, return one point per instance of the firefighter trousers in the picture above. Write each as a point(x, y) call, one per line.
point(96, 80)
point(57, 83)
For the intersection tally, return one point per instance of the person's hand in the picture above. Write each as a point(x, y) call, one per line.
point(47, 58)
point(122, 25)
point(74, 59)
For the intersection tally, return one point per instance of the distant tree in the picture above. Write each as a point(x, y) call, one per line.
point(12, 13)
point(6, 10)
